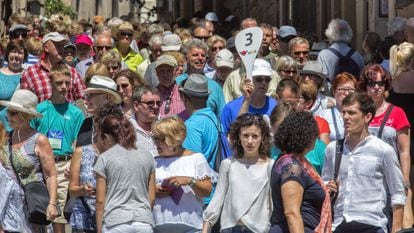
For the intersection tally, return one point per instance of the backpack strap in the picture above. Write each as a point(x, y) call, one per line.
point(384, 120)
point(350, 53)
point(336, 52)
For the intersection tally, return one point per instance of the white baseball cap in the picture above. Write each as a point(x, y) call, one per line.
point(225, 58)
point(261, 67)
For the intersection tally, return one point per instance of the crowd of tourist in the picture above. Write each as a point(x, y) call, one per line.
point(155, 128)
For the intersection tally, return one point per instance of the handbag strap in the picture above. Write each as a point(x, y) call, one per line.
point(338, 156)
point(11, 158)
point(335, 124)
point(384, 120)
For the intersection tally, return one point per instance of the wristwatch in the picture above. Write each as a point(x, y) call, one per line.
point(407, 185)
point(192, 182)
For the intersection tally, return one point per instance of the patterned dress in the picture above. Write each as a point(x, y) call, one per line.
point(28, 167)
point(83, 218)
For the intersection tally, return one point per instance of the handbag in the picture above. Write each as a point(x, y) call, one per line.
point(36, 195)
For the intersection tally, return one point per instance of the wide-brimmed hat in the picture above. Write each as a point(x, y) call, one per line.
point(23, 101)
point(104, 84)
point(313, 68)
point(195, 85)
point(123, 27)
point(171, 42)
point(166, 60)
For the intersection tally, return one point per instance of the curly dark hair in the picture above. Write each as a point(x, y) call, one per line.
point(110, 120)
point(246, 120)
point(297, 132)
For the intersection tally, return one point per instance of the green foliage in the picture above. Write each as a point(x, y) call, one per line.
point(58, 7)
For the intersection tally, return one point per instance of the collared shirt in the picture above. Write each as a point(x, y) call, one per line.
point(365, 175)
point(176, 104)
point(144, 138)
point(82, 66)
point(132, 59)
point(36, 79)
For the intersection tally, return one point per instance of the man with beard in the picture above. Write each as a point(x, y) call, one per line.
point(196, 59)
point(254, 99)
point(36, 77)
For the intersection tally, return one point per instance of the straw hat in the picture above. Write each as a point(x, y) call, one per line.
point(100, 83)
point(23, 101)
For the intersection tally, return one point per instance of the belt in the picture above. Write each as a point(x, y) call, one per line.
point(62, 158)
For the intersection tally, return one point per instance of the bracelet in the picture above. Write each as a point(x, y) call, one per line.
point(407, 185)
point(192, 182)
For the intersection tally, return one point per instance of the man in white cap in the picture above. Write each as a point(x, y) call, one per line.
point(36, 77)
point(254, 99)
point(224, 66)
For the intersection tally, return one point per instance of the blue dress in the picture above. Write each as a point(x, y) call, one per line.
point(8, 84)
point(83, 218)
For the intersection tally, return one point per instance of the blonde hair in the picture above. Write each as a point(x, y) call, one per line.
point(308, 90)
point(95, 69)
point(179, 57)
point(171, 130)
point(60, 69)
point(214, 39)
point(111, 56)
point(34, 46)
point(184, 34)
point(401, 58)
point(286, 62)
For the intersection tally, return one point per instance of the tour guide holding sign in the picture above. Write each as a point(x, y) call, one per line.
point(60, 123)
point(248, 42)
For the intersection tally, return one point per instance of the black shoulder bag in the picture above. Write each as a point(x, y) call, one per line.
point(384, 121)
point(35, 193)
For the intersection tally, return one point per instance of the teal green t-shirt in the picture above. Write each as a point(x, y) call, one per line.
point(60, 123)
point(315, 156)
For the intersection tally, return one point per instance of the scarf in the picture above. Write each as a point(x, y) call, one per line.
point(325, 224)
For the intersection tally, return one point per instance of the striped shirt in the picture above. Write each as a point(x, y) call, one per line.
point(36, 79)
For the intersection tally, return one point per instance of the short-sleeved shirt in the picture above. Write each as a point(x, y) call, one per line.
point(132, 59)
point(290, 169)
point(85, 133)
point(60, 123)
point(202, 134)
point(176, 105)
point(216, 98)
point(396, 121)
point(126, 173)
point(323, 125)
point(231, 111)
point(36, 79)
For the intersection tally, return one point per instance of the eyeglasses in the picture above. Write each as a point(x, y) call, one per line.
point(12, 113)
point(99, 47)
point(90, 95)
point(262, 79)
point(304, 53)
point(151, 103)
point(289, 71)
point(343, 90)
point(124, 34)
point(16, 35)
point(372, 83)
point(254, 116)
point(167, 106)
point(124, 85)
point(216, 48)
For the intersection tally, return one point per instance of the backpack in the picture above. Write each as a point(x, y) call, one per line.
point(346, 63)
point(223, 147)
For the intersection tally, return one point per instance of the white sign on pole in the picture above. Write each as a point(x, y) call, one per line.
point(248, 43)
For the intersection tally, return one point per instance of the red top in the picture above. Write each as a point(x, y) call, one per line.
point(323, 125)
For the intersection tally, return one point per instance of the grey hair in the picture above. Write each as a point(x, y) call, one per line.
point(194, 43)
point(114, 22)
point(297, 41)
point(339, 31)
point(142, 90)
point(155, 29)
point(286, 61)
point(396, 24)
point(155, 39)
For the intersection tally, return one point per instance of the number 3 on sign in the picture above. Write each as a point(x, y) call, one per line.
point(248, 44)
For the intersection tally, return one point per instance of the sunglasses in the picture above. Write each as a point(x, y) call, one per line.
point(103, 47)
point(113, 67)
point(124, 34)
point(262, 79)
point(12, 113)
point(151, 103)
point(16, 35)
point(304, 53)
point(124, 85)
point(216, 48)
point(203, 38)
point(167, 106)
point(372, 83)
point(90, 95)
point(289, 71)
